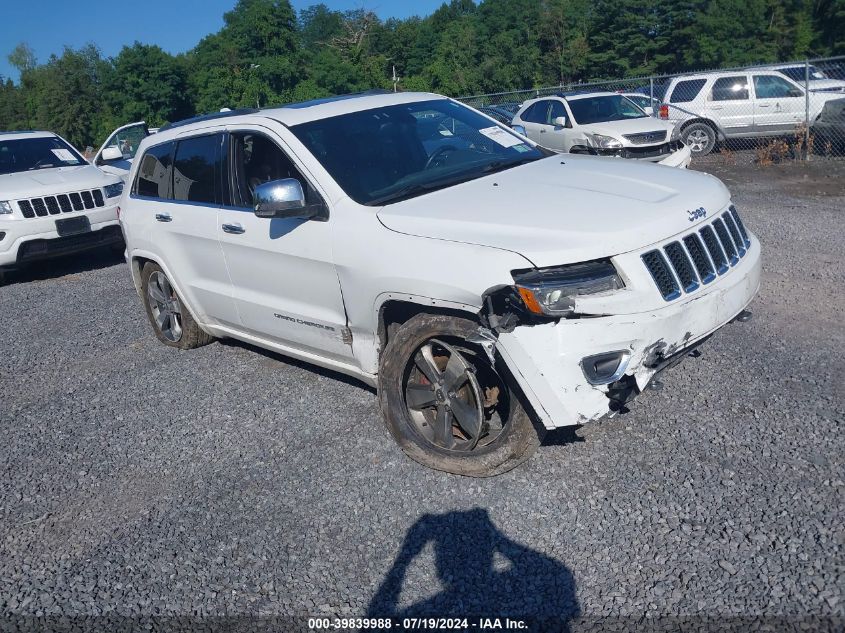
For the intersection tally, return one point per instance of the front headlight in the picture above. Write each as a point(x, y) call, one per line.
point(552, 291)
point(113, 190)
point(605, 142)
point(5, 207)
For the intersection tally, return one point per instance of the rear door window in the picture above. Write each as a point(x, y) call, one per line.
point(155, 173)
point(536, 113)
point(730, 88)
point(687, 90)
point(771, 87)
point(197, 169)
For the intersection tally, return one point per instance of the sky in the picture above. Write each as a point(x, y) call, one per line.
point(175, 25)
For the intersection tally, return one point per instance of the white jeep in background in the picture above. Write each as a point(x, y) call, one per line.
point(490, 288)
point(711, 107)
point(601, 124)
point(52, 202)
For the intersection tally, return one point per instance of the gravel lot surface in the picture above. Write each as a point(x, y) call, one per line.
point(138, 480)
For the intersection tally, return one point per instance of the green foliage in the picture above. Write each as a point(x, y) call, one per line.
point(266, 54)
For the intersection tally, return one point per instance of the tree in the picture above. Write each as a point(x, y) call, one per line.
point(146, 83)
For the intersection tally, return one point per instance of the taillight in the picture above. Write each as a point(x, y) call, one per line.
point(664, 111)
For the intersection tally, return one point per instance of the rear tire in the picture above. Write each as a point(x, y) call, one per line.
point(172, 322)
point(467, 419)
point(700, 138)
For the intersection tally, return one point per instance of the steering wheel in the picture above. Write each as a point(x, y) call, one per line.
point(438, 153)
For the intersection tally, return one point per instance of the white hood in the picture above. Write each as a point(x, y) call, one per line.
point(617, 129)
point(42, 182)
point(564, 208)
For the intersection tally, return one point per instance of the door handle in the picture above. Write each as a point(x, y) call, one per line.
point(235, 229)
point(163, 217)
point(542, 131)
point(764, 105)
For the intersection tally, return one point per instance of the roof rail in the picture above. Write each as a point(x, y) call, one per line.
point(207, 117)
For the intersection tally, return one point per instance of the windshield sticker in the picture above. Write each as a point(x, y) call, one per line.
point(64, 155)
point(522, 147)
point(500, 136)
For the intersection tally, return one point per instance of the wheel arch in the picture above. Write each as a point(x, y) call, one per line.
point(720, 134)
point(394, 310)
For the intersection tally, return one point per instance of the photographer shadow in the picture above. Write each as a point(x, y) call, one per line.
point(483, 573)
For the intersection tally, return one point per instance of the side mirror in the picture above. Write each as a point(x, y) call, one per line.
point(281, 199)
point(111, 153)
point(559, 121)
point(796, 92)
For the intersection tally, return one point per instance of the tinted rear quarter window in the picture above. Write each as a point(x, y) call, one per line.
point(197, 168)
point(155, 172)
point(687, 90)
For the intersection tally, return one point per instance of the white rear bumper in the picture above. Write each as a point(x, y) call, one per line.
point(545, 359)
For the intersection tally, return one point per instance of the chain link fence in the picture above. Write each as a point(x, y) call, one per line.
point(769, 113)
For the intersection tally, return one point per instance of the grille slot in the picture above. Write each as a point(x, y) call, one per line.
point(87, 199)
point(98, 197)
point(716, 252)
point(663, 277)
point(682, 266)
point(727, 242)
point(76, 200)
point(740, 226)
point(52, 205)
point(734, 231)
point(699, 257)
point(39, 206)
point(64, 203)
point(26, 208)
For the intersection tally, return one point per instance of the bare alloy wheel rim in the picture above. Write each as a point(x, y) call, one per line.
point(445, 400)
point(165, 306)
point(698, 140)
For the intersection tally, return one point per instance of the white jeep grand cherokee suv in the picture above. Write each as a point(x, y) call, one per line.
point(490, 288)
point(52, 202)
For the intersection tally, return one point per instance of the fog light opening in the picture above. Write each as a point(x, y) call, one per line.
point(605, 368)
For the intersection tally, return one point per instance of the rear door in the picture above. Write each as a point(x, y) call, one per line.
point(729, 104)
point(126, 139)
point(534, 119)
point(282, 269)
point(177, 193)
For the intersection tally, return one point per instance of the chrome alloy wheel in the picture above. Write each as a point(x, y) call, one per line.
point(444, 398)
point(698, 141)
point(165, 306)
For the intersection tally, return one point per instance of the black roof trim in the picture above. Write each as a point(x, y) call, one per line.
point(207, 117)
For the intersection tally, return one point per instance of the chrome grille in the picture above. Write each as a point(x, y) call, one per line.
point(647, 138)
point(683, 266)
point(62, 203)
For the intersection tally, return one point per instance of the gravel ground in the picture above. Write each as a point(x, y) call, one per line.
point(142, 481)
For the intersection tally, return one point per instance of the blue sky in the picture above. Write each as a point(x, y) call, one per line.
point(175, 25)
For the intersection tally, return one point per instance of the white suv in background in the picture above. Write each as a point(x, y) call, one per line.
point(490, 288)
point(601, 124)
point(741, 104)
point(52, 202)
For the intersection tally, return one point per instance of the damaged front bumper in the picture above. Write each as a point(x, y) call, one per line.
point(545, 359)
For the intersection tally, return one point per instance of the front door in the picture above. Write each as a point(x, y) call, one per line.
point(283, 277)
point(779, 105)
point(126, 139)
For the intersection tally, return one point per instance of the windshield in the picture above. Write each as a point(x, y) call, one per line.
point(388, 154)
point(796, 73)
point(27, 154)
point(605, 108)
